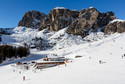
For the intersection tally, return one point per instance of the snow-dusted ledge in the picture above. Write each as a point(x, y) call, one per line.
point(59, 8)
point(90, 7)
point(117, 20)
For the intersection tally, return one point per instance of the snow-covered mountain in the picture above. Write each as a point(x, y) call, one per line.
point(57, 40)
point(87, 69)
point(91, 43)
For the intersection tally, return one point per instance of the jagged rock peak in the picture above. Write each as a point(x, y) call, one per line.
point(82, 12)
point(84, 22)
point(115, 26)
point(36, 12)
point(62, 13)
point(78, 23)
point(102, 20)
point(32, 19)
point(59, 18)
point(90, 20)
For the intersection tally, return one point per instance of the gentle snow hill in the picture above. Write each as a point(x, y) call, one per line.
point(84, 70)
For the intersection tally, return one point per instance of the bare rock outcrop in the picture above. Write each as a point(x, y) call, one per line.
point(32, 19)
point(84, 22)
point(115, 26)
point(59, 18)
point(78, 23)
point(102, 20)
point(82, 12)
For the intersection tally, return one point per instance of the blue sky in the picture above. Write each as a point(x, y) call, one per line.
point(12, 11)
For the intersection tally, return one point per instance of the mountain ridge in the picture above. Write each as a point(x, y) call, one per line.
point(78, 22)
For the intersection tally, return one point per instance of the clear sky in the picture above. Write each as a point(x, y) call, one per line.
point(12, 11)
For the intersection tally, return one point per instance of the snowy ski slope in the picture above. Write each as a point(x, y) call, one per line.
point(84, 70)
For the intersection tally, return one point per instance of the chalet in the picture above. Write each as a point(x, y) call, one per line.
point(48, 64)
point(51, 59)
point(24, 63)
point(18, 63)
point(55, 59)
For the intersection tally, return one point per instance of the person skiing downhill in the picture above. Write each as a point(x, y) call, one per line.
point(23, 78)
point(100, 61)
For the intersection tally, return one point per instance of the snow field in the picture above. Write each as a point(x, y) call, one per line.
point(84, 70)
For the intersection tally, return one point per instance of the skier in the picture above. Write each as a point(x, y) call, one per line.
point(121, 47)
point(123, 56)
point(100, 61)
point(23, 78)
point(19, 72)
point(13, 70)
point(34, 71)
point(89, 57)
point(65, 65)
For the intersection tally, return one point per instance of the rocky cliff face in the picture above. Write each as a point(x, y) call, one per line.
point(78, 23)
point(90, 20)
point(102, 20)
point(32, 19)
point(115, 26)
point(58, 19)
point(84, 23)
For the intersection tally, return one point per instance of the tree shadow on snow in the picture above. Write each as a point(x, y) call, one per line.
point(32, 57)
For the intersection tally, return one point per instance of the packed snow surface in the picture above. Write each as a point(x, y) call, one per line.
point(84, 70)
